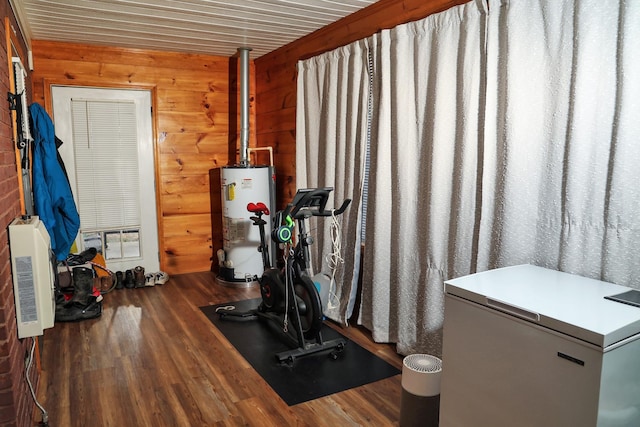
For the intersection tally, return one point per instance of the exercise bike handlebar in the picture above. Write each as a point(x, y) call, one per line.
point(312, 202)
point(338, 211)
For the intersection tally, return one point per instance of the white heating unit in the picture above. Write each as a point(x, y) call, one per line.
point(33, 275)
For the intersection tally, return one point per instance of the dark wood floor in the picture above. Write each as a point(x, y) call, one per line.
point(153, 359)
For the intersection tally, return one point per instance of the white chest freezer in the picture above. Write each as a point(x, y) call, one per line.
point(527, 346)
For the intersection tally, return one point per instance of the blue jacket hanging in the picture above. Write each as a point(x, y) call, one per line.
point(52, 194)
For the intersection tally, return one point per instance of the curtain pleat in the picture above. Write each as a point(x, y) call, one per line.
point(424, 170)
point(331, 128)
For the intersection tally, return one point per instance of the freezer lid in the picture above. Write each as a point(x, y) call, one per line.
point(567, 303)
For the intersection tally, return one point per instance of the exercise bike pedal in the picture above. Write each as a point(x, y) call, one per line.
point(338, 350)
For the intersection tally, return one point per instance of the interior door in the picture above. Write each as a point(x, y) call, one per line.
point(108, 153)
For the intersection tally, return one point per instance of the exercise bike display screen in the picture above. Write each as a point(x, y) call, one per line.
point(317, 201)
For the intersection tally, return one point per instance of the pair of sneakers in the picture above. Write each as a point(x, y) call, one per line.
point(159, 278)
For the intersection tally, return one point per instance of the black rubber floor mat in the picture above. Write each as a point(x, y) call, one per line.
point(309, 377)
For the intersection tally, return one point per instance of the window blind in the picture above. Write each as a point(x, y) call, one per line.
point(106, 160)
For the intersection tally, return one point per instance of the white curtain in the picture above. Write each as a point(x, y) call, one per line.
point(562, 170)
point(331, 128)
point(424, 173)
point(499, 136)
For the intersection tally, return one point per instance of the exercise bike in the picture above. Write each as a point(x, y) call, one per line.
point(291, 304)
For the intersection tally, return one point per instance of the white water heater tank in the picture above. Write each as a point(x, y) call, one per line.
point(242, 262)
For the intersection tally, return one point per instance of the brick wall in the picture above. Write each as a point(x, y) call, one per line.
point(16, 405)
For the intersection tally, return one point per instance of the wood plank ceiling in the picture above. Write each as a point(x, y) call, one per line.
point(213, 27)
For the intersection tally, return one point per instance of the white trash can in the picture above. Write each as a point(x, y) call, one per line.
point(420, 401)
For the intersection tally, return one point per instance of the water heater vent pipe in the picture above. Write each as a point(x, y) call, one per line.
point(244, 105)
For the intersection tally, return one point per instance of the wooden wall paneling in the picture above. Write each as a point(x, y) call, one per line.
point(276, 72)
point(280, 120)
point(189, 164)
point(188, 238)
point(192, 121)
point(179, 184)
point(136, 57)
point(181, 100)
point(126, 74)
point(192, 96)
point(194, 143)
point(185, 204)
point(277, 98)
point(282, 142)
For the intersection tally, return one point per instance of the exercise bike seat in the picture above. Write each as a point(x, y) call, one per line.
point(258, 208)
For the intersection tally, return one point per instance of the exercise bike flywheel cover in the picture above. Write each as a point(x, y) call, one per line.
point(271, 288)
point(311, 319)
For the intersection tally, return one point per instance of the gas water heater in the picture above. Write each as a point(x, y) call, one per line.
point(239, 261)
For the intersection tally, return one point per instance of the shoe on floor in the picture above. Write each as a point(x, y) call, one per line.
point(138, 276)
point(119, 280)
point(150, 279)
point(161, 278)
point(129, 282)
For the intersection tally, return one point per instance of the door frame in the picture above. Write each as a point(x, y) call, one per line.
point(48, 84)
